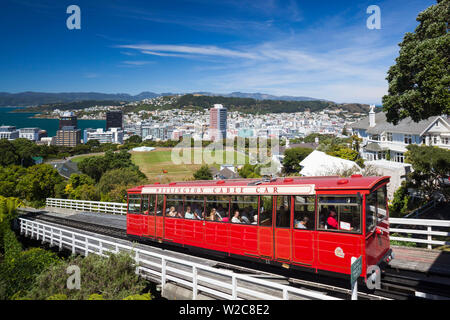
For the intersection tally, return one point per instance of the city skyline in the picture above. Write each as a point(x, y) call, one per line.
point(277, 47)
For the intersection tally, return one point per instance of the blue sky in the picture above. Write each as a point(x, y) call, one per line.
point(320, 49)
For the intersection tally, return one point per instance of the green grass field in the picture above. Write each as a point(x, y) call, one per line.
point(153, 163)
point(80, 158)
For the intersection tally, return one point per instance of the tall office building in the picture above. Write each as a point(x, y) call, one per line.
point(114, 119)
point(218, 122)
point(68, 136)
point(68, 119)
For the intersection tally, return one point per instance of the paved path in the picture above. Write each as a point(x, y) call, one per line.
point(421, 260)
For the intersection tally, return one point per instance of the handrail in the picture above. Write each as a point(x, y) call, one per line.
point(425, 208)
point(162, 268)
point(429, 232)
point(86, 205)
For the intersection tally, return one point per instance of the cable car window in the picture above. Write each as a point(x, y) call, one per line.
point(159, 204)
point(371, 211)
point(304, 211)
point(134, 203)
point(340, 213)
point(283, 212)
point(217, 208)
point(148, 204)
point(381, 203)
point(265, 211)
point(194, 207)
point(244, 209)
point(174, 206)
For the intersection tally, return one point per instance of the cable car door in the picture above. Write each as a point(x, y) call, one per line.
point(282, 230)
point(159, 219)
point(149, 214)
point(265, 227)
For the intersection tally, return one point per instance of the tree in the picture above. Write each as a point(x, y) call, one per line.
point(134, 139)
point(292, 159)
point(203, 173)
point(38, 184)
point(420, 79)
point(8, 153)
point(250, 171)
point(431, 167)
point(119, 177)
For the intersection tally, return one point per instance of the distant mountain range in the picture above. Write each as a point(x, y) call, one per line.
point(37, 98)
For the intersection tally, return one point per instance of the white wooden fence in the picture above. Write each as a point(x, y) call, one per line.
point(422, 227)
point(91, 206)
point(223, 284)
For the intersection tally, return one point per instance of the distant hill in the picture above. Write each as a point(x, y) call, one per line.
point(235, 101)
point(38, 98)
point(250, 105)
point(257, 96)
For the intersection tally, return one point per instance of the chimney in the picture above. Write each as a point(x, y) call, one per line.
point(372, 116)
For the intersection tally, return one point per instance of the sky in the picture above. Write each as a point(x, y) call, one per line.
point(320, 49)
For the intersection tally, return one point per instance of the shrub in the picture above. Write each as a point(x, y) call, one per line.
point(57, 296)
point(112, 278)
point(145, 296)
point(19, 273)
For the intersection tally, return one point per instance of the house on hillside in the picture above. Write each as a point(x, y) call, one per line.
point(225, 172)
point(384, 144)
point(384, 141)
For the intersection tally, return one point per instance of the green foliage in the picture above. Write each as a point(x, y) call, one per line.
point(203, 173)
point(8, 212)
point(8, 154)
point(145, 296)
point(9, 176)
point(250, 171)
point(119, 177)
point(96, 296)
point(292, 159)
point(112, 277)
point(57, 296)
point(401, 203)
point(20, 273)
point(11, 245)
point(419, 81)
point(431, 167)
point(38, 184)
point(344, 153)
point(134, 139)
point(95, 167)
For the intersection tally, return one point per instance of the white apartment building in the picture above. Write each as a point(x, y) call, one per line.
point(9, 132)
point(29, 133)
point(113, 135)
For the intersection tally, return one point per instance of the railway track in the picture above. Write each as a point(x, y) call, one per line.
point(395, 285)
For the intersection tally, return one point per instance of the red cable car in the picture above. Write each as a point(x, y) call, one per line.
point(317, 223)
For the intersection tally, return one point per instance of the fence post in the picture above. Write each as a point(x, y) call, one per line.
point(73, 243)
point(194, 283)
point(429, 237)
point(234, 287)
point(163, 274)
point(285, 294)
point(136, 259)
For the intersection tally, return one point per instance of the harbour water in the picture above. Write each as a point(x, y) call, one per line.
point(25, 120)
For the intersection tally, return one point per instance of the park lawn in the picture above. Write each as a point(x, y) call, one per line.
point(78, 159)
point(153, 163)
